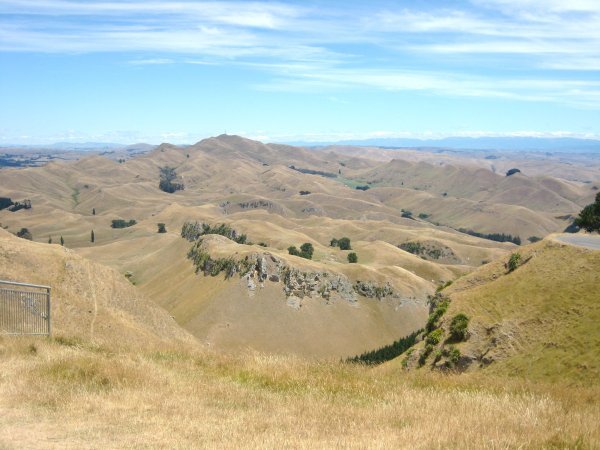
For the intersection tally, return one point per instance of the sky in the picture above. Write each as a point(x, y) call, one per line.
point(157, 71)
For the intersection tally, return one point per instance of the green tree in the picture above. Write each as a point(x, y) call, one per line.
point(49, 239)
point(344, 243)
point(93, 211)
point(62, 241)
point(92, 237)
point(589, 217)
point(307, 250)
point(334, 242)
point(292, 250)
point(352, 257)
point(162, 228)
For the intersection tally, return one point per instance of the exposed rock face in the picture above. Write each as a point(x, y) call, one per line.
point(317, 284)
point(372, 290)
point(258, 268)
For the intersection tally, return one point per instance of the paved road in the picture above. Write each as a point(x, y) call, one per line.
point(581, 240)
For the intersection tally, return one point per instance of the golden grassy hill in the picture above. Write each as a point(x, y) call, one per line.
point(537, 322)
point(90, 302)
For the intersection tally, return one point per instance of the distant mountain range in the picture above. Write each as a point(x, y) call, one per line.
point(469, 143)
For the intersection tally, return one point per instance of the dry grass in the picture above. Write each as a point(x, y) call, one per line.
point(66, 394)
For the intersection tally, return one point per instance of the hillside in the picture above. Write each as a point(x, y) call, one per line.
point(538, 321)
point(90, 302)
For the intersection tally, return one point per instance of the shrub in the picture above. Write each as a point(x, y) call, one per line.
point(437, 313)
point(342, 243)
point(407, 214)
point(306, 250)
point(92, 237)
point(435, 337)
point(458, 327)
point(304, 192)
point(292, 250)
point(453, 355)
point(514, 261)
point(25, 234)
point(161, 228)
point(363, 188)
point(423, 216)
point(512, 172)
point(534, 239)
point(352, 257)
point(424, 354)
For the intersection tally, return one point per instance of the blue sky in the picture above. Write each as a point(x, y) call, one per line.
point(178, 71)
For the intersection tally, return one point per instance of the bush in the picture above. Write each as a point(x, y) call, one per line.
point(514, 261)
point(342, 243)
point(120, 223)
point(25, 234)
point(363, 188)
point(352, 257)
point(437, 313)
point(534, 239)
point(304, 192)
point(458, 327)
point(306, 250)
point(407, 214)
point(453, 355)
point(435, 337)
point(512, 172)
point(161, 228)
point(423, 216)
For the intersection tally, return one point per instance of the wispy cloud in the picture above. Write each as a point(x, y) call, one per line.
point(452, 50)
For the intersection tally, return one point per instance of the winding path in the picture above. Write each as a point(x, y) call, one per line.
point(590, 241)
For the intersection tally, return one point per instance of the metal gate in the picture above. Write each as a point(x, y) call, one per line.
point(24, 309)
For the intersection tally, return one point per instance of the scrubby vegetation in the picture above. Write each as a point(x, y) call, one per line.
point(120, 223)
point(306, 250)
point(25, 234)
point(513, 262)
point(352, 258)
point(167, 180)
point(203, 262)
point(364, 187)
point(7, 203)
point(589, 217)
point(161, 228)
point(193, 230)
point(387, 352)
point(427, 250)
point(304, 192)
point(534, 239)
point(342, 243)
point(498, 237)
point(314, 172)
point(458, 327)
point(512, 172)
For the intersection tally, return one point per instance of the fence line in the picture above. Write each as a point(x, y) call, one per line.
point(24, 309)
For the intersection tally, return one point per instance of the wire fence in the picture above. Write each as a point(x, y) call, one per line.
point(24, 309)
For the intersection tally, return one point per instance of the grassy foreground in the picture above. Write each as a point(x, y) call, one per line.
point(65, 394)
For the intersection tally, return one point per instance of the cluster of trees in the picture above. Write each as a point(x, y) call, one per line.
point(342, 243)
point(314, 172)
point(498, 237)
point(6, 202)
point(306, 250)
point(387, 352)
point(167, 180)
point(193, 230)
point(120, 223)
point(589, 217)
point(512, 172)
